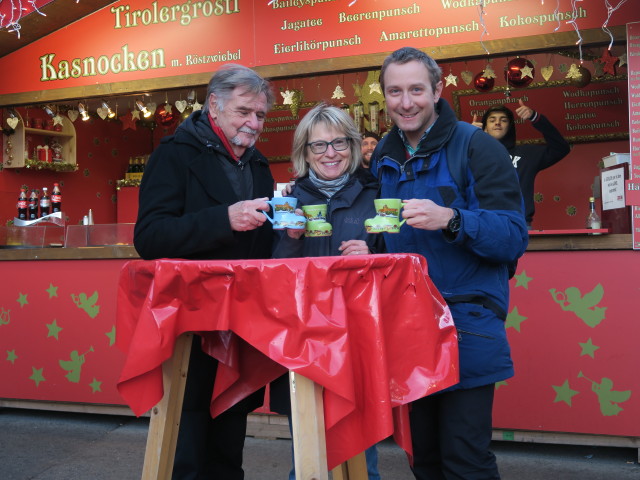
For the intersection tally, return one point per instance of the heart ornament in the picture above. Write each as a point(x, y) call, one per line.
point(151, 106)
point(547, 72)
point(467, 76)
point(12, 122)
point(73, 115)
point(102, 112)
point(181, 105)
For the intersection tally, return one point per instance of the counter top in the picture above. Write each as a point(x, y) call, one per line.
point(536, 242)
point(73, 253)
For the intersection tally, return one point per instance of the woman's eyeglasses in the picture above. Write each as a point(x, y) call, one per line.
point(339, 144)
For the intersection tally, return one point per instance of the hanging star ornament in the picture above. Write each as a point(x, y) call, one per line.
point(338, 93)
point(488, 72)
point(526, 71)
point(287, 95)
point(196, 106)
point(608, 62)
point(57, 120)
point(128, 122)
point(135, 114)
point(451, 79)
point(623, 59)
point(374, 87)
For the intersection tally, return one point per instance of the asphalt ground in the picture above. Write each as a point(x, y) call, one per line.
point(44, 445)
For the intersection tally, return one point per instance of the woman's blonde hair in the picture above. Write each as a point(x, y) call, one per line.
point(331, 117)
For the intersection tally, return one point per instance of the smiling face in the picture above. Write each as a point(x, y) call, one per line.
point(241, 119)
point(497, 125)
point(410, 98)
point(368, 146)
point(331, 164)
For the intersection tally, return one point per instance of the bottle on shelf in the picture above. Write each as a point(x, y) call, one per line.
point(593, 219)
point(127, 175)
point(33, 205)
point(45, 202)
point(56, 198)
point(23, 204)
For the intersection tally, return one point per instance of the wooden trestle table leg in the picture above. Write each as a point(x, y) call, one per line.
point(309, 444)
point(165, 416)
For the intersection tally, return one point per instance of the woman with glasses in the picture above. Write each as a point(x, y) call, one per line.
point(327, 160)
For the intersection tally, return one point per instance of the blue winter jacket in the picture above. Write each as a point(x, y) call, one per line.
point(471, 270)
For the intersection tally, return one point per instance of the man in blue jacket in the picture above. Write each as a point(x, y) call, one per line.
point(464, 213)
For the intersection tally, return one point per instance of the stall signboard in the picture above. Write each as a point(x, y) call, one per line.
point(596, 112)
point(138, 40)
point(633, 184)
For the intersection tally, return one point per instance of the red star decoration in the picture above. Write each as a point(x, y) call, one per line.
point(608, 61)
point(128, 121)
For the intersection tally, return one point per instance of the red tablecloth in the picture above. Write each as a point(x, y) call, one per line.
point(371, 329)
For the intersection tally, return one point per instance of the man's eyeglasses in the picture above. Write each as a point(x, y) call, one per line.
point(339, 144)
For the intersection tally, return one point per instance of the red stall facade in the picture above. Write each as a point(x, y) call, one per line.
point(571, 319)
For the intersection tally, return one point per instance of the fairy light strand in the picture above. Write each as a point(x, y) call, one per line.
point(481, 14)
point(573, 23)
point(556, 13)
point(610, 11)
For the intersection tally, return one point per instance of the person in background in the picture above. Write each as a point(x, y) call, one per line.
point(200, 199)
point(369, 142)
point(528, 160)
point(327, 161)
point(470, 235)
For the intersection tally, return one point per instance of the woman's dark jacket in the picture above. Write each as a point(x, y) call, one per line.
point(347, 210)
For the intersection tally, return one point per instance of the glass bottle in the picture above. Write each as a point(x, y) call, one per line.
point(593, 219)
point(22, 204)
point(45, 202)
point(56, 199)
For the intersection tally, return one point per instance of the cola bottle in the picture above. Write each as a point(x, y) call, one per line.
point(22, 204)
point(33, 205)
point(56, 199)
point(45, 202)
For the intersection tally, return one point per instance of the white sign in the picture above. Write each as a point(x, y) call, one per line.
point(613, 188)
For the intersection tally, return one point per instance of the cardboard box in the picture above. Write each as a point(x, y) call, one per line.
point(615, 159)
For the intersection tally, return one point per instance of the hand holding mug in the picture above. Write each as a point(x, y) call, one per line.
point(245, 215)
point(425, 214)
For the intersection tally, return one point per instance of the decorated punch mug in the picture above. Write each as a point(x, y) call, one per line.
point(317, 225)
point(387, 217)
point(284, 216)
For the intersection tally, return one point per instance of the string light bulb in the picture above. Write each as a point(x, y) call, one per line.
point(84, 113)
point(110, 112)
point(145, 111)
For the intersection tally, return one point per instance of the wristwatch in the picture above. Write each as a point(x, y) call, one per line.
point(454, 223)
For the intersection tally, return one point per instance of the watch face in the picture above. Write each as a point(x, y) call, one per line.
point(454, 223)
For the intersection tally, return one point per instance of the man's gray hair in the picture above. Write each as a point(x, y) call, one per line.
point(232, 76)
point(407, 54)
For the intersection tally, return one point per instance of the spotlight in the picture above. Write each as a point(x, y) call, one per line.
point(83, 112)
point(145, 112)
point(110, 113)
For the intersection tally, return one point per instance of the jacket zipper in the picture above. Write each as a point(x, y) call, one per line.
point(460, 332)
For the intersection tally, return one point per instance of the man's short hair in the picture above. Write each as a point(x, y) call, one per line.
point(497, 109)
point(408, 54)
point(231, 76)
point(368, 134)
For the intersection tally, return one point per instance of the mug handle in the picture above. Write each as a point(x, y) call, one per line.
point(401, 207)
point(272, 209)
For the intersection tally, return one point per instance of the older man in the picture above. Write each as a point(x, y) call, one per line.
point(199, 199)
point(464, 214)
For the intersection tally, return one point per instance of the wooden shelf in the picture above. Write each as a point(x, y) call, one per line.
point(14, 145)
